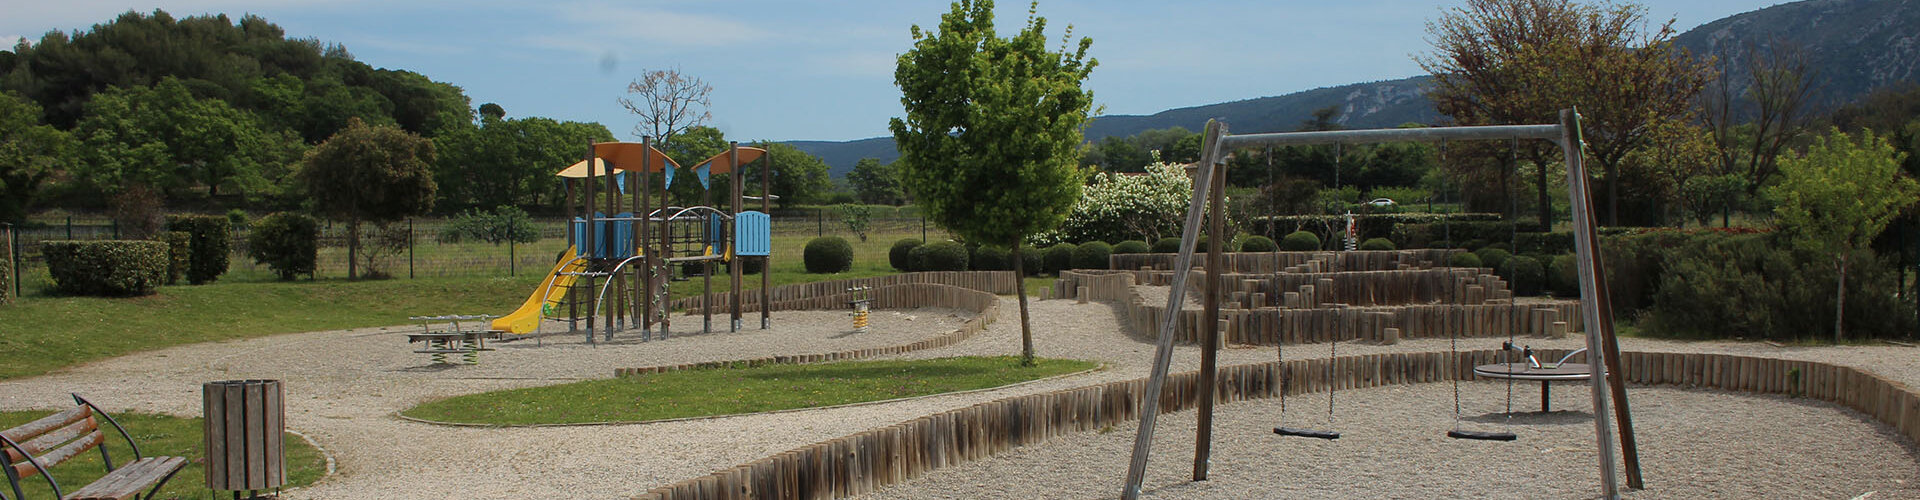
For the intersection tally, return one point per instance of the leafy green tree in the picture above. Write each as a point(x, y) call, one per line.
point(859, 218)
point(1116, 154)
point(1505, 62)
point(30, 153)
point(165, 137)
point(508, 161)
point(798, 177)
point(876, 183)
point(991, 140)
point(369, 174)
point(1838, 197)
point(1117, 207)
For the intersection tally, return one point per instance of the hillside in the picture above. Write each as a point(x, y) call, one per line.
point(1854, 45)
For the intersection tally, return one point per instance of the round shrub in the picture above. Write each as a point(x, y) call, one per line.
point(1132, 246)
point(940, 256)
point(1463, 259)
point(748, 265)
point(1058, 258)
point(1300, 241)
point(113, 268)
point(1564, 279)
point(1473, 244)
point(1258, 244)
point(1493, 257)
point(1377, 244)
point(1524, 274)
point(830, 254)
point(1092, 255)
point(1033, 260)
point(1501, 245)
point(898, 255)
point(285, 242)
point(1167, 245)
point(990, 258)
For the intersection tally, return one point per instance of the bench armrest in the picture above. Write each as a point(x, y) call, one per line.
point(116, 426)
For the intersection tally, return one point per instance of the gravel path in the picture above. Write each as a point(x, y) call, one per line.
point(344, 388)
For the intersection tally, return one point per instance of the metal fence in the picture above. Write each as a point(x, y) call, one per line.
point(419, 249)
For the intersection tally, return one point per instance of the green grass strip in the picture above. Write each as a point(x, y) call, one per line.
point(729, 391)
point(159, 435)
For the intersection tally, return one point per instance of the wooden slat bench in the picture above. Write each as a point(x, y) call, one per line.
point(35, 446)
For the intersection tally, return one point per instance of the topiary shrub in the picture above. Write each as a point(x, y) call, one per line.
point(113, 268)
point(1258, 244)
point(179, 253)
point(899, 256)
point(1132, 246)
point(211, 241)
point(1032, 260)
point(1493, 257)
point(1474, 244)
point(990, 258)
point(1564, 276)
point(286, 242)
point(1525, 274)
point(940, 256)
point(1300, 241)
point(1059, 258)
point(1167, 245)
point(829, 254)
point(1092, 255)
point(1377, 244)
point(1464, 259)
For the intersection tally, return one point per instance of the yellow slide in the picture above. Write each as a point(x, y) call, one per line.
point(526, 319)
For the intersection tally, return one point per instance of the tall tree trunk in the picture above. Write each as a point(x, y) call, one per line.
point(1020, 287)
point(1840, 303)
point(353, 248)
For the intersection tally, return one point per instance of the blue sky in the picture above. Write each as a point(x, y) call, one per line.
point(823, 70)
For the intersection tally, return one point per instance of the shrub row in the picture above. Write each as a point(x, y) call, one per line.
point(1334, 227)
point(6, 268)
point(211, 239)
point(179, 253)
point(111, 268)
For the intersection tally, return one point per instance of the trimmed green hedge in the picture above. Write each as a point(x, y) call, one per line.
point(1132, 246)
point(828, 254)
point(990, 258)
point(210, 243)
point(113, 268)
point(1526, 275)
point(1300, 241)
point(1376, 244)
point(1258, 244)
point(1167, 245)
point(1493, 257)
point(1092, 255)
point(1464, 259)
point(286, 242)
point(940, 256)
point(1332, 227)
point(1059, 258)
point(6, 268)
point(179, 253)
point(900, 256)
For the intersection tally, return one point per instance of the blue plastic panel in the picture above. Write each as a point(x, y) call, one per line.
point(752, 234)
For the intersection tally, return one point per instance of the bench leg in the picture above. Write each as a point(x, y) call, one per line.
point(163, 482)
point(1545, 396)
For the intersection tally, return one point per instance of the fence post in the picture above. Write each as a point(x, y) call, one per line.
point(69, 227)
point(923, 227)
point(511, 260)
point(116, 228)
point(409, 248)
point(12, 240)
point(820, 218)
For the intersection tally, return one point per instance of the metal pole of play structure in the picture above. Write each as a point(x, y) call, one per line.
point(409, 248)
point(587, 233)
point(766, 263)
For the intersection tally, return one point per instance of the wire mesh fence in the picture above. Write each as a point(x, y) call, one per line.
point(422, 248)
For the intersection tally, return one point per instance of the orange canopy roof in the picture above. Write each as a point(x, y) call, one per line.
point(625, 156)
point(718, 163)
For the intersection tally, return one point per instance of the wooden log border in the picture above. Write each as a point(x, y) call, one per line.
point(811, 296)
point(869, 460)
point(986, 307)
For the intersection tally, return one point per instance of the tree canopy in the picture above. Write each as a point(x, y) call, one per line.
point(374, 174)
point(1841, 194)
point(30, 152)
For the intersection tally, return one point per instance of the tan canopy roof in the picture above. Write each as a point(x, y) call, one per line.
point(718, 163)
point(625, 156)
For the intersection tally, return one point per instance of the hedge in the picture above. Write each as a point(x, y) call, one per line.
point(1300, 241)
point(1092, 255)
point(1167, 245)
point(1374, 244)
point(1258, 244)
point(287, 243)
point(1058, 258)
point(1526, 275)
point(1463, 259)
point(1332, 227)
point(900, 255)
point(211, 242)
point(940, 256)
point(179, 253)
point(828, 254)
point(990, 258)
point(1133, 246)
point(1759, 286)
point(111, 268)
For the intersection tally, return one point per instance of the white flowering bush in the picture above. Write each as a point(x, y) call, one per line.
point(1126, 207)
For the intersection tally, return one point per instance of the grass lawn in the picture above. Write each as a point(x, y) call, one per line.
point(727, 391)
point(159, 436)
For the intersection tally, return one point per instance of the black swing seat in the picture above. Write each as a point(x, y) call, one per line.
point(1312, 433)
point(1482, 436)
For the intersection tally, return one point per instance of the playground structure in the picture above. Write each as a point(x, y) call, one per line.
point(1603, 353)
point(628, 241)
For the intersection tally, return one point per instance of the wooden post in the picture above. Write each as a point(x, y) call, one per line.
point(1210, 341)
point(734, 188)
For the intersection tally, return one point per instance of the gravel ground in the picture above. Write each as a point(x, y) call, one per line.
point(344, 388)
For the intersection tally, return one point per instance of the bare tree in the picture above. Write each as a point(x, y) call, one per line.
point(1777, 96)
point(668, 103)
